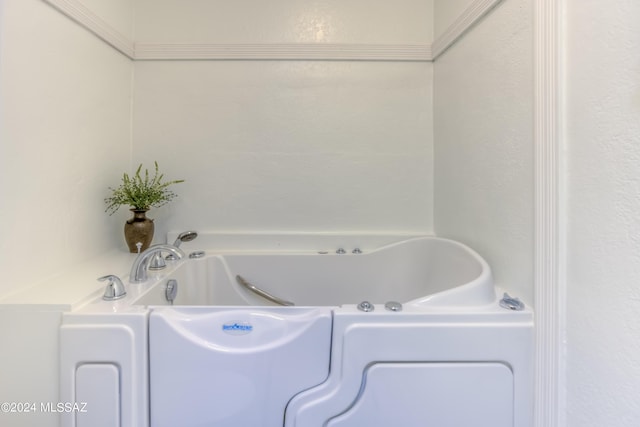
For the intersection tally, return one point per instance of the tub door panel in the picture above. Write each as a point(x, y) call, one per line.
point(432, 394)
point(234, 367)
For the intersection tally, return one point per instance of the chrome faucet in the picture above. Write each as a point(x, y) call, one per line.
point(139, 269)
point(115, 288)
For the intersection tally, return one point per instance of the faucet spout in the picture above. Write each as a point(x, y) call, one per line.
point(141, 264)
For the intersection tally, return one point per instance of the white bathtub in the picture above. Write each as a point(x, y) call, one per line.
point(424, 271)
point(222, 355)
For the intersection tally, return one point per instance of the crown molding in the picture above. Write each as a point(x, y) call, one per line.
point(75, 10)
point(467, 19)
point(282, 51)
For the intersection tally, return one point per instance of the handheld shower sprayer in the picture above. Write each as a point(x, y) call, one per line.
point(185, 236)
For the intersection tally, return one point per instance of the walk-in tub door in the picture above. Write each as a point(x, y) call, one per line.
point(233, 367)
point(432, 394)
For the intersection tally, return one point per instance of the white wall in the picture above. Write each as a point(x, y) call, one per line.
point(288, 145)
point(65, 138)
point(603, 244)
point(316, 146)
point(284, 21)
point(483, 111)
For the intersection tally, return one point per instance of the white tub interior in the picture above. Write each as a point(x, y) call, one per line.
point(418, 271)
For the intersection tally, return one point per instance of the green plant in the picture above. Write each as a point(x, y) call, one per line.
point(141, 192)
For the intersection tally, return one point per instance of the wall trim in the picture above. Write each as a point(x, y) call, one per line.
point(549, 262)
point(1, 24)
point(467, 19)
point(75, 10)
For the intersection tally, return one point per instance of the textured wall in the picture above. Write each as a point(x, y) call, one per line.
point(603, 248)
point(317, 146)
point(288, 145)
point(483, 144)
point(284, 21)
point(65, 137)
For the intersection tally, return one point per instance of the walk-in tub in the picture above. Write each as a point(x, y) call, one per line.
point(372, 333)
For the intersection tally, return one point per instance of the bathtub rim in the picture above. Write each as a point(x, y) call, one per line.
point(478, 291)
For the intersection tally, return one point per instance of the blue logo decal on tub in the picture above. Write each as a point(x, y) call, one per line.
point(237, 328)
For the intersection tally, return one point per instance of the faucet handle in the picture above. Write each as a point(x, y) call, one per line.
point(115, 288)
point(157, 262)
